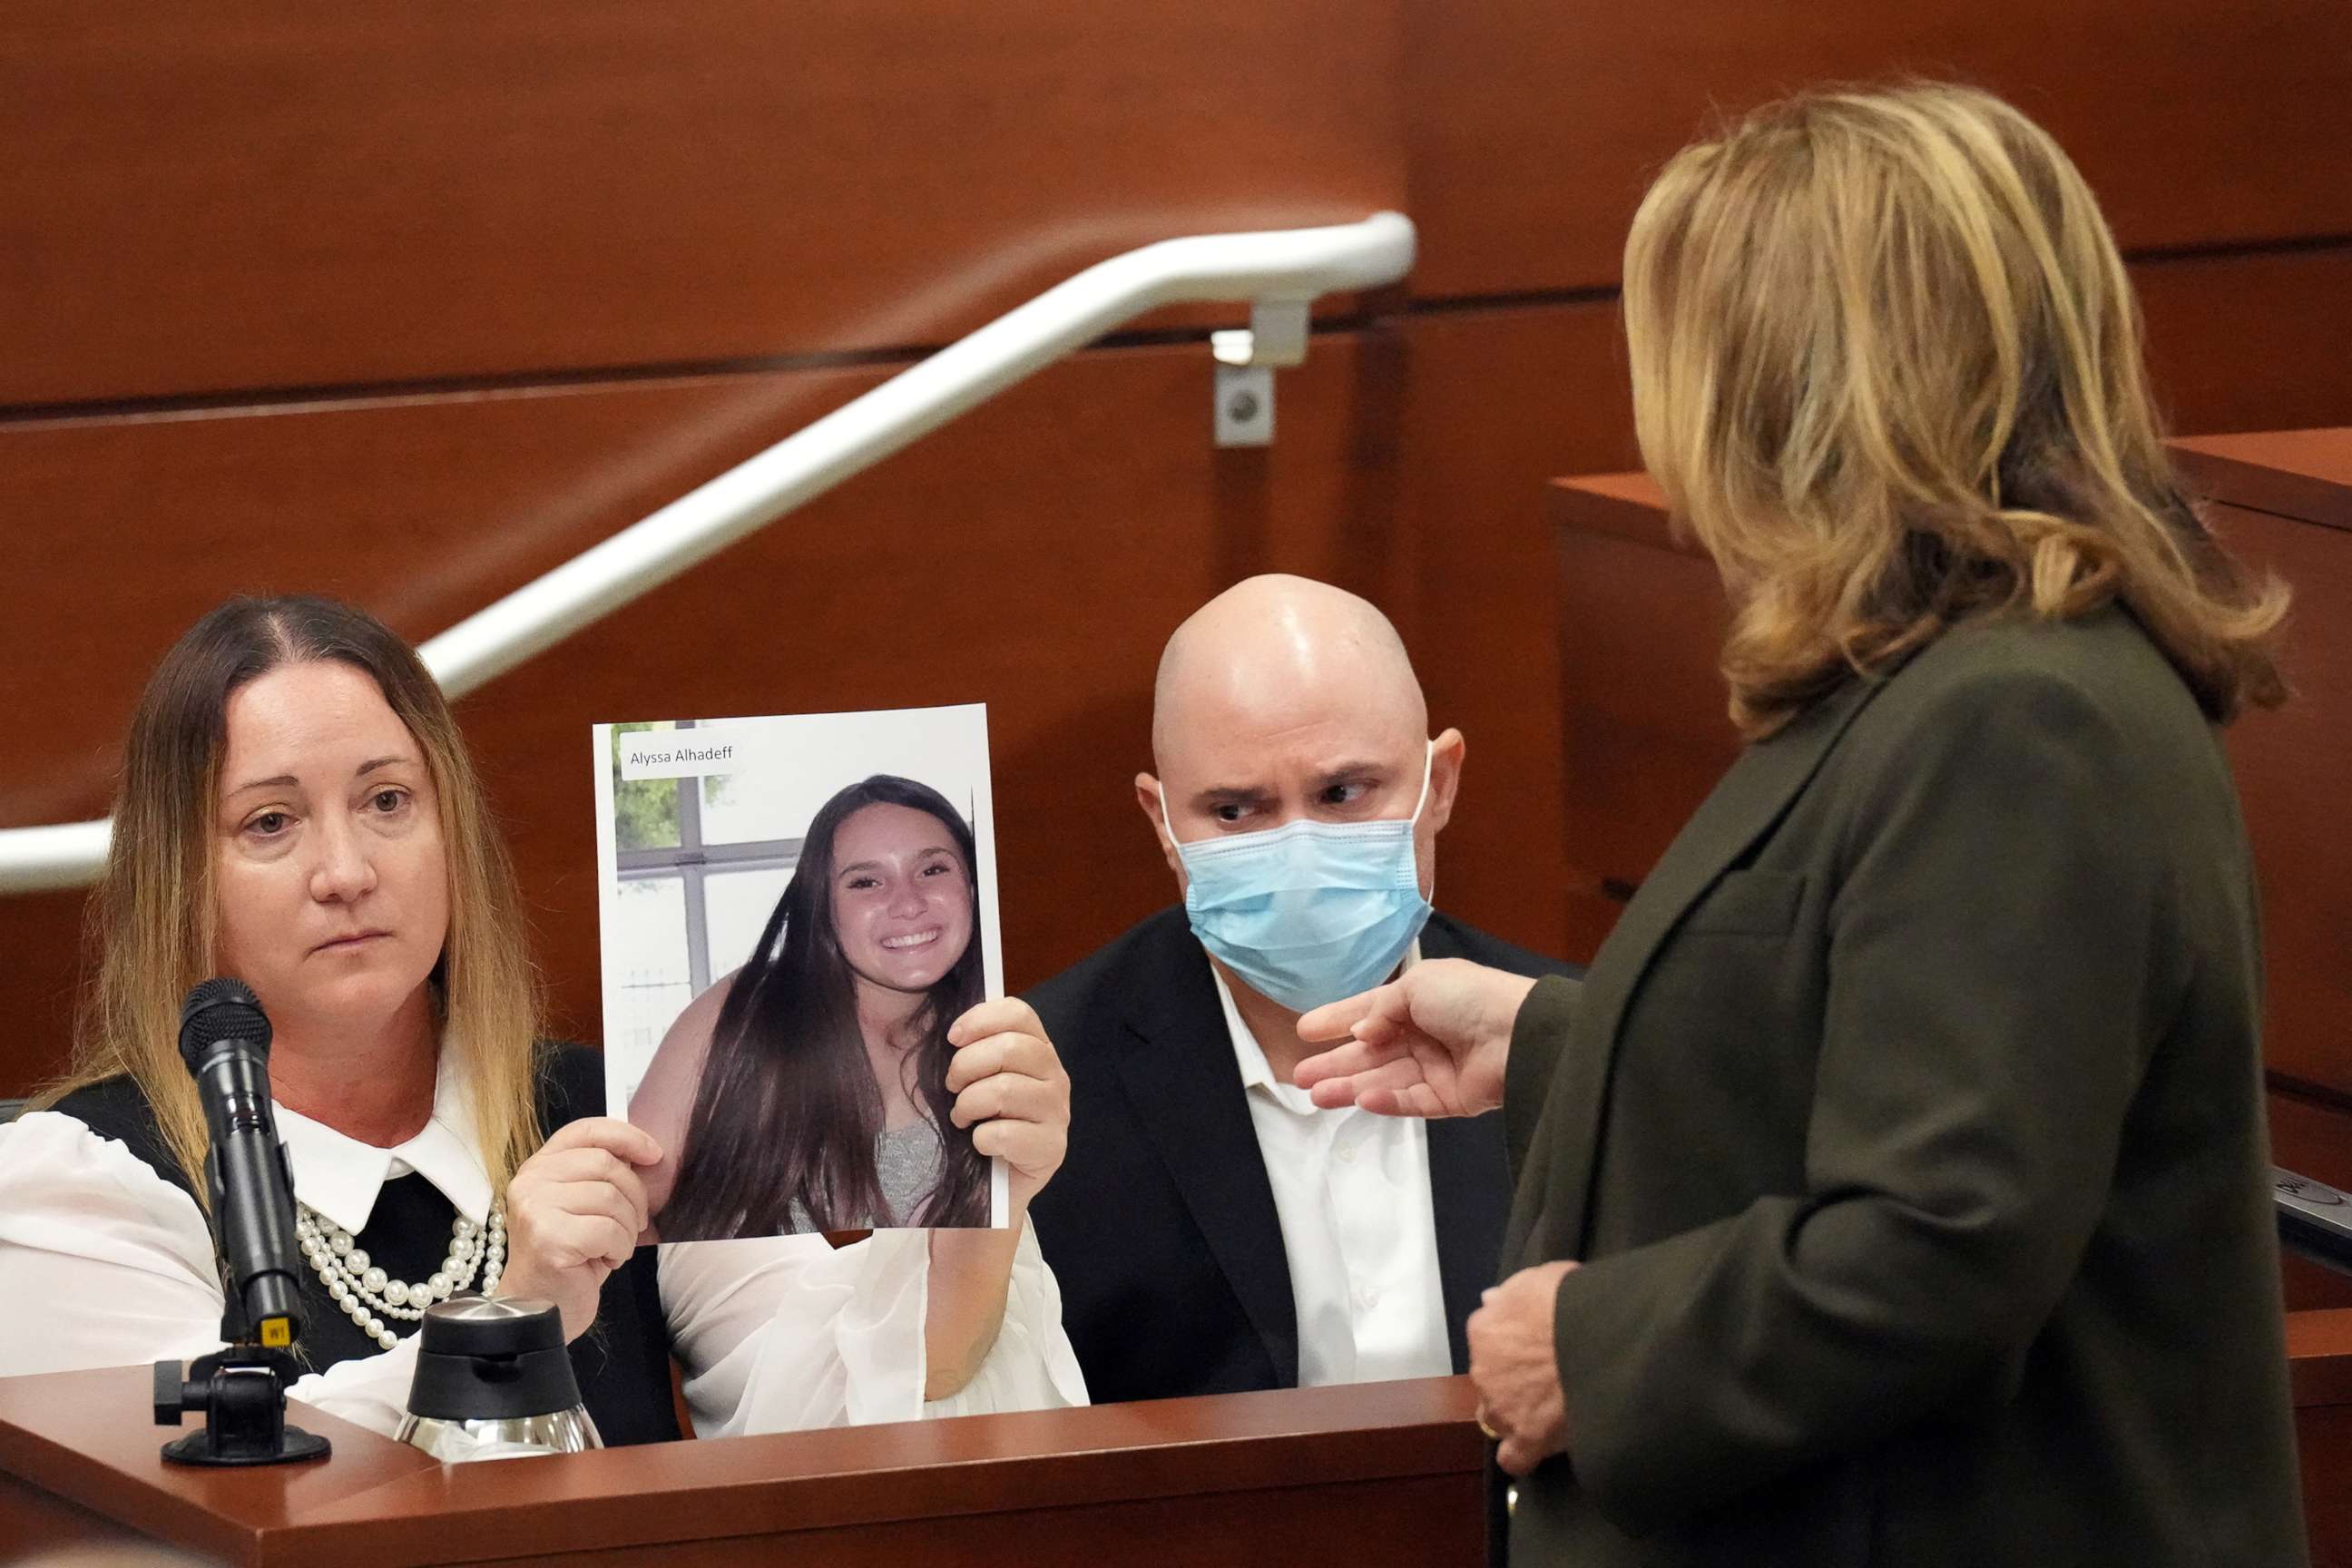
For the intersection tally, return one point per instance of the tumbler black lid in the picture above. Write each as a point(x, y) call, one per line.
point(479, 1325)
point(485, 1360)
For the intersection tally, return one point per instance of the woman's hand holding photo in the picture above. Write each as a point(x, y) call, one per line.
point(574, 1211)
point(1010, 1090)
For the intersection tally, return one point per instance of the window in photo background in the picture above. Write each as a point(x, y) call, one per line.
point(691, 906)
point(736, 816)
point(736, 906)
point(658, 982)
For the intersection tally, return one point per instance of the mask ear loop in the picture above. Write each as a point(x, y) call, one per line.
point(1167, 825)
point(1428, 762)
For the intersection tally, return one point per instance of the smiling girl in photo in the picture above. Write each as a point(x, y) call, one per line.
point(808, 1089)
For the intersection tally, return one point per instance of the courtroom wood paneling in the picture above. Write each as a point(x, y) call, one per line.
point(483, 495)
point(1645, 731)
point(2303, 474)
point(1407, 1522)
point(423, 509)
point(2251, 341)
point(289, 197)
point(1535, 126)
point(2290, 766)
point(281, 193)
point(2323, 1447)
point(41, 984)
point(1500, 400)
point(2319, 1361)
point(39, 1527)
point(1034, 556)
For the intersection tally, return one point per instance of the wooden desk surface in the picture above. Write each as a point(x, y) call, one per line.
point(1403, 1457)
point(2301, 474)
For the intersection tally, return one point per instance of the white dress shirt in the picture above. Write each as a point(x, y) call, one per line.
point(107, 1264)
point(1351, 1190)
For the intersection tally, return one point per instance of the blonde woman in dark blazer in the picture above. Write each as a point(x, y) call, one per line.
point(1893, 1190)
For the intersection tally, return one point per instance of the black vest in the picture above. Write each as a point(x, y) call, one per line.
point(622, 1363)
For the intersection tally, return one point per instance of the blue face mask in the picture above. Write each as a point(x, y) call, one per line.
point(1309, 912)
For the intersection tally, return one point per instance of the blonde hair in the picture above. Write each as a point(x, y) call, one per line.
point(1888, 368)
point(154, 916)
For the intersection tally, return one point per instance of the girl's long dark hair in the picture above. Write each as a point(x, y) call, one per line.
point(788, 1111)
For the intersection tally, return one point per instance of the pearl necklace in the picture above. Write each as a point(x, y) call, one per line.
point(370, 1296)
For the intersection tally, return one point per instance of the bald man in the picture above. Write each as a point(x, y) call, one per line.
point(1211, 1230)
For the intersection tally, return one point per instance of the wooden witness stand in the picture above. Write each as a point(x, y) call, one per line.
point(1641, 617)
point(1374, 1474)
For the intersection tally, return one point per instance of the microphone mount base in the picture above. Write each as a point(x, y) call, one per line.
point(241, 1389)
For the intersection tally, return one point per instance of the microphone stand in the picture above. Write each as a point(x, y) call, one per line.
point(241, 1389)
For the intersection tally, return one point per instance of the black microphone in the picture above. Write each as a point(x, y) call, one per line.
point(225, 1039)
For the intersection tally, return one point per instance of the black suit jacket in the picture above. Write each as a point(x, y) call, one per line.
point(1909, 1127)
point(1160, 1226)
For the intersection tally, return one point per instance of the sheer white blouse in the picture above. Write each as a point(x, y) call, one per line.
point(103, 1263)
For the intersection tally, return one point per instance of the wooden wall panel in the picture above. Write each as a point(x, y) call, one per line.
point(1498, 402)
point(430, 506)
point(1033, 557)
point(2304, 474)
point(423, 509)
point(2290, 766)
point(1535, 126)
point(2232, 339)
point(1645, 732)
point(2323, 1436)
point(279, 194)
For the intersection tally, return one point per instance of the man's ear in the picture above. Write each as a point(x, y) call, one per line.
point(1444, 778)
point(1147, 797)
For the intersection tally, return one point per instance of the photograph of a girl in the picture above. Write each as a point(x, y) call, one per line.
point(807, 1090)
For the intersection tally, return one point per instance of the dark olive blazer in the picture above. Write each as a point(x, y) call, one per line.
point(1160, 1224)
point(1910, 1128)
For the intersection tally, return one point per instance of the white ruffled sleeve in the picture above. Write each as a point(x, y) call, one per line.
point(783, 1333)
point(107, 1264)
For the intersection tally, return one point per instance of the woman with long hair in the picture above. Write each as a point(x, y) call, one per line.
point(1893, 1188)
point(297, 810)
point(808, 1089)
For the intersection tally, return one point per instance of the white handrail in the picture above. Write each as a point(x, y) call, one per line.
point(1283, 265)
